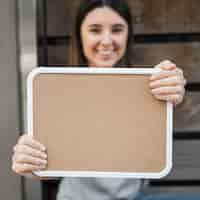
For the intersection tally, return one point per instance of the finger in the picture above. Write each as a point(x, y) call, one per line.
point(162, 74)
point(23, 158)
point(170, 81)
point(180, 72)
point(23, 169)
point(168, 90)
point(166, 65)
point(29, 141)
point(165, 74)
point(174, 98)
point(24, 149)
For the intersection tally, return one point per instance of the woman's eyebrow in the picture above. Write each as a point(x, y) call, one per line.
point(94, 25)
point(113, 25)
point(119, 25)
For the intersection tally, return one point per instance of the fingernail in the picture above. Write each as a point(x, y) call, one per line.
point(44, 162)
point(42, 166)
point(41, 162)
point(151, 77)
point(153, 91)
point(43, 148)
point(44, 155)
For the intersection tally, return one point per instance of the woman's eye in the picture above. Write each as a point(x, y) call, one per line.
point(95, 30)
point(117, 30)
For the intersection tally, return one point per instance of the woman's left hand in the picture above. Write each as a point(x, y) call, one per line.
point(169, 83)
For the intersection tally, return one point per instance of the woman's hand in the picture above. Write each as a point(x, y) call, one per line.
point(29, 155)
point(169, 83)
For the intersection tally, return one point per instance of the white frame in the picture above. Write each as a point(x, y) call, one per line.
point(93, 70)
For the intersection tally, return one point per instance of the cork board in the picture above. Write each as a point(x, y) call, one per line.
point(98, 122)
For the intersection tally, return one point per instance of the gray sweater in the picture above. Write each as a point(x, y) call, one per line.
point(98, 189)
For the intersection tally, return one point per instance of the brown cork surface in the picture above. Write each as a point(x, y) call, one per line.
point(99, 122)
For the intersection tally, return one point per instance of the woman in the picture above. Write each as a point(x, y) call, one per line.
point(103, 39)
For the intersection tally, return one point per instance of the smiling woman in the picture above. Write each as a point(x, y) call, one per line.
point(103, 38)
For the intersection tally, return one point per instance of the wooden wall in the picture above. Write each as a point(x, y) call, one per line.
point(164, 29)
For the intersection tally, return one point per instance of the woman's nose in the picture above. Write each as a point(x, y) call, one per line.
point(106, 39)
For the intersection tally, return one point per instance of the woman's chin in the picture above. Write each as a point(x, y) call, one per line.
point(106, 64)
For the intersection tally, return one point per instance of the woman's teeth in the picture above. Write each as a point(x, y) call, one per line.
point(105, 52)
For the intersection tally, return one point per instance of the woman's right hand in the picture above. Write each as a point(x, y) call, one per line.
point(28, 156)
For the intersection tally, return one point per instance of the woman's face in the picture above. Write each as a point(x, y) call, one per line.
point(104, 36)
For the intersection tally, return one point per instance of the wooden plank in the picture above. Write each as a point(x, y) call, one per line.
point(186, 161)
point(149, 16)
point(61, 16)
point(187, 114)
point(40, 19)
point(40, 55)
point(178, 15)
point(59, 55)
point(185, 171)
point(165, 16)
point(173, 189)
point(195, 17)
point(50, 189)
point(185, 55)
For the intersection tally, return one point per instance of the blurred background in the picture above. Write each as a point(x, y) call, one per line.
point(39, 33)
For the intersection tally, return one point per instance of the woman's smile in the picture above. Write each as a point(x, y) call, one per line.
point(105, 54)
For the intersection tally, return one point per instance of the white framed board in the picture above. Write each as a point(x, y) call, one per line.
point(99, 122)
